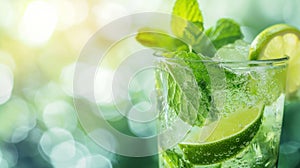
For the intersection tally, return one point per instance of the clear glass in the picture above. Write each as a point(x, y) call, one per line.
point(220, 114)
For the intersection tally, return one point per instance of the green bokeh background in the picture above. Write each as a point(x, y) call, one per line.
point(40, 41)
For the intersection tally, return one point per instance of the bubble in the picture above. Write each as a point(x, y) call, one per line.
point(48, 93)
point(7, 82)
point(20, 133)
point(63, 151)
point(92, 146)
point(60, 114)
point(142, 129)
point(16, 120)
point(95, 161)
point(84, 89)
point(144, 125)
point(105, 139)
point(54, 137)
point(67, 154)
point(66, 79)
point(9, 155)
point(81, 150)
point(141, 112)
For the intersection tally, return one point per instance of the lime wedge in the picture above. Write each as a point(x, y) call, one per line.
point(278, 41)
point(228, 138)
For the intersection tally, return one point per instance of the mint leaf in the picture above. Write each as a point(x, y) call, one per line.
point(195, 63)
point(224, 32)
point(187, 84)
point(154, 38)
point(198, 41)
point(183, 94)
point(187, 24)
point(186, 11)
point(175, 160)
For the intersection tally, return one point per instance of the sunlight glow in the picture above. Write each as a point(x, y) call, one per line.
point(38, 22)
point(71, 12)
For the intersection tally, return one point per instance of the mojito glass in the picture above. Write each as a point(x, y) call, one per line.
point(219, 114)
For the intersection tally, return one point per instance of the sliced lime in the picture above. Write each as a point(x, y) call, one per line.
point(278, 41)
point(229, 137)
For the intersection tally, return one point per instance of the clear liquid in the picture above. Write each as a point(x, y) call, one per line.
point(208, 94)
point(261, 152)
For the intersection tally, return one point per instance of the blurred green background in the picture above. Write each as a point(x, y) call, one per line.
point(40, 41)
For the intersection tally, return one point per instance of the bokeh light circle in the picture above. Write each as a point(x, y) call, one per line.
point(60, 114)
point(53, 137)
point(7, 82)
point(94, 161)
point(22, 120)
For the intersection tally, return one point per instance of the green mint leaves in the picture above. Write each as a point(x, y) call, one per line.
point(187, 27)
point(175, 160)
point(186, 85)
point(160, 40)
point(224, 32)
point(187, 82)
point(186, 24)
point(187, 10)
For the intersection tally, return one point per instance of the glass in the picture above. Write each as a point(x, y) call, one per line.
point(219, 114)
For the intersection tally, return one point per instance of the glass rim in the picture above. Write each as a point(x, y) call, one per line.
point(281, 60)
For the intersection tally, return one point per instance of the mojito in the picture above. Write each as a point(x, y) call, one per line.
point(221, 98)
point(235, 124)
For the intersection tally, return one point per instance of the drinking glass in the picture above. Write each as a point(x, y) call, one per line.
point(219, 114)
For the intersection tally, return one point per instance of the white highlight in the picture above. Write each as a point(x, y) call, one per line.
point(103, 86)
point(71, 12)
point(38, 22)
point(60, 114)
point(7, 15)
point(6, 83)
point(54, 137)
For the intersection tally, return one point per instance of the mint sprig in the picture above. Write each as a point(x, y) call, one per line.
point(226, 31)
point(188, 41)
point(186, 11)
point(175, 159)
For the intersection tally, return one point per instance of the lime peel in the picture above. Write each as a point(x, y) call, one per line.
point(278, 41)
point(217, 150)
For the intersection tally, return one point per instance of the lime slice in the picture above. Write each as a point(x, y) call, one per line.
point(278, 41)
point(229, 137)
